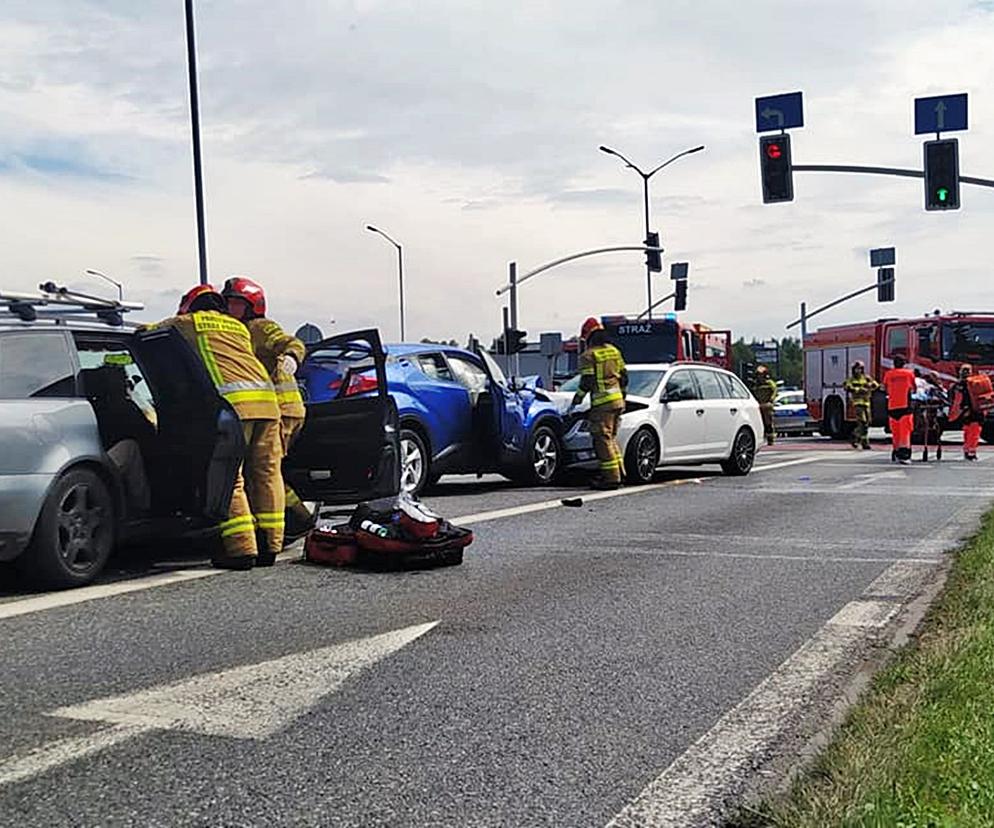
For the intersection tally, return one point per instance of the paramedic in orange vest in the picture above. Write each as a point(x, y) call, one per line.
point(899, 382)
point(603, 375)
point(964, 410)
point(257, 501)
point(281, 356)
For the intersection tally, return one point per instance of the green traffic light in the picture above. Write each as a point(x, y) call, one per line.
point(942, 193)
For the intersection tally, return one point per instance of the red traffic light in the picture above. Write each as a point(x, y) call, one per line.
point(774, 151)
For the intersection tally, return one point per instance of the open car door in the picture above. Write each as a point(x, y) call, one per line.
point(200, 445)
point(349, 448)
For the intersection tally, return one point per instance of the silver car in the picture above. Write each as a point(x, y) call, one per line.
point(110, 434)
point(675, 414)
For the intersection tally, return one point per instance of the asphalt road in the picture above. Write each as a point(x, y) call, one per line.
point(634, 661)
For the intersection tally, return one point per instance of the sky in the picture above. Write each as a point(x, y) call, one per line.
point(468, 131)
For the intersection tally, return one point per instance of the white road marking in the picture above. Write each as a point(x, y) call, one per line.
point(904, 580)
point(253, 701)
point(689, 792)
point(628, 491)
point(64, 751)
point(754, 556)
point(66, 598)
point(874, 477)
point(865, 614)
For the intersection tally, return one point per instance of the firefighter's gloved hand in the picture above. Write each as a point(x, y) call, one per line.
point(288, 365)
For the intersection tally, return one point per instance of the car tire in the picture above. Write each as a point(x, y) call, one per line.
point(835, 419)
point(74, 535)
point(642, 457)
point(415, 462)
point(544, 457)
point(739, 462)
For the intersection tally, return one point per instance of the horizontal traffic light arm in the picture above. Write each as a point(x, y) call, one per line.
point(847, 168)
point(549, 265)
point(838, 301)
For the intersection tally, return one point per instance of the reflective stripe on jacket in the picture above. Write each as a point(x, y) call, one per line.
point(224, 345)
point(603, 375)
point(270, 342)
point(861, 389)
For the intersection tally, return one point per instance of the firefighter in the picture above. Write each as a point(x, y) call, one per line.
point(257, 501)
point(899, 382)
point(861, 388)
point(281, 355)
point(603, 375)
point(963, 409)
point(764, 389)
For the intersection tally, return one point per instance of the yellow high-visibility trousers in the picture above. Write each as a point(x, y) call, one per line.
point(604, 424)
point(290, 427)
point(264, 480)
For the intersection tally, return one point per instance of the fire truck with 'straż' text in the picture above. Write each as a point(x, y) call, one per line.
point(935, 345)
point(666, 339)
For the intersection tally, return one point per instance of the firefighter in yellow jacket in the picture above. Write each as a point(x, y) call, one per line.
point(603, 375)
point(257, 502)
point(281, 355)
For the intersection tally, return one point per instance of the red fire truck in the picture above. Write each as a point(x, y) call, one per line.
point(669, 340)
point(936, 344)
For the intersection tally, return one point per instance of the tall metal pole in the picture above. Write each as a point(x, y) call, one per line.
point(648, 271)
point(400, 269)
point(804, 322)
point(512, 275)
point(198, 174)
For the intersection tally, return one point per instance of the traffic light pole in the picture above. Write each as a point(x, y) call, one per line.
point(848, 168)
point(648, 311)
point(803, 321)
point(198, 173)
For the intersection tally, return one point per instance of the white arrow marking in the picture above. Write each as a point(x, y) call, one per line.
point(770, 113)
point(940, 116)
point(874, 477)
point(249, 702)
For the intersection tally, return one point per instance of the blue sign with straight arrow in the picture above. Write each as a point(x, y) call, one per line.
point(779, 112)
point(942, 113)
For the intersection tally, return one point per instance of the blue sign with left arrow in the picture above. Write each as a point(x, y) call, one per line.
point(779, 112)
point(943, 113)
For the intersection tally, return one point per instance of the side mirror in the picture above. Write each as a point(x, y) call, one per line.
point(665, 398)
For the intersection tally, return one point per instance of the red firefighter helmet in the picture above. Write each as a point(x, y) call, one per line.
point(195, 293)
point(240, 287)
point(591, 325)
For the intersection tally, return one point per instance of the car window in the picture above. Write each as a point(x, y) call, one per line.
point(468, 374)
point(572, 384)
point(711, 387)
point(94, 356)
point(434, 366)
point(791, 398)
point(681, 386)
point(36, 365)
point(734, 388)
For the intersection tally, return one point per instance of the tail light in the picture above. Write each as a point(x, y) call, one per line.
point(358, 383)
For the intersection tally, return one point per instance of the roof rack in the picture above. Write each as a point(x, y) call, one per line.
point(59, 303)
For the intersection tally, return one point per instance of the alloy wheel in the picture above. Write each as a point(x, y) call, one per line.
point(412, 465)
point(545, 455)
point(82, 527)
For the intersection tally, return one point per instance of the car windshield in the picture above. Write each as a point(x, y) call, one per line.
point(969, 342)
point(572, 384)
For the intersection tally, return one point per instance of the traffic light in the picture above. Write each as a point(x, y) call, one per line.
point(498, 346)
point(885, 284)
point(653, 258)
point(515, 340)
point(942, 174)
point(680, 300)
point(775, 168)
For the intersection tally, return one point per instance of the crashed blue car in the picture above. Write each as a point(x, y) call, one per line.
point(459, 414)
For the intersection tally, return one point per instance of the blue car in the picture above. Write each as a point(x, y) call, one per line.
point(458, 412)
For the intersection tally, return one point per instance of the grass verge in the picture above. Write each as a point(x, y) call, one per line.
point(918, 750)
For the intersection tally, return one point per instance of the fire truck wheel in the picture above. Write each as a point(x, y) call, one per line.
point(835, 419)
point(987, 432)
point(739, 462)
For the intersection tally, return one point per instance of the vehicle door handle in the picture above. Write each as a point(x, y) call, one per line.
point(733, 410)
point(700, 412)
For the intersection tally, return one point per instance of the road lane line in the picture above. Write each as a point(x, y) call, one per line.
point(753, 556)
point(66, 598)
point(63, 751)
point(627, 491)
point(691, 790)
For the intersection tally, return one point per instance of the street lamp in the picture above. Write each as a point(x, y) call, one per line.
point(645, 198)
point(105, 277)
point(198, 170)
point(400, 272)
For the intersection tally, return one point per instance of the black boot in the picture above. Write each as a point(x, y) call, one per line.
point(240, 563)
